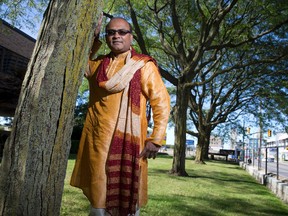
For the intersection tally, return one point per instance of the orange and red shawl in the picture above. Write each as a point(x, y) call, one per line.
point(122, 166)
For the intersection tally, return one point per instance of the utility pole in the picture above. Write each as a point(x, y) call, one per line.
point(260, 136)
point(243, 137)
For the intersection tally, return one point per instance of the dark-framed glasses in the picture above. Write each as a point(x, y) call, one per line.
point(122, 32)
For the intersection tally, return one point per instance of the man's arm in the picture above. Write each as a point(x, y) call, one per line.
point(156, 91)
point(94, 48)
point(95, 45)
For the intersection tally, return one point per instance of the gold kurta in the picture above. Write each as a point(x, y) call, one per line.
point(89, 171)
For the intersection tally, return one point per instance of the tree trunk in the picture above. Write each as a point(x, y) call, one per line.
point(199, 157)
point(202, 148)
point(180, 116)
point(206, 147)
point(35, 156)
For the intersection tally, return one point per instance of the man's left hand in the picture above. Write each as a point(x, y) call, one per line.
point(150, 150)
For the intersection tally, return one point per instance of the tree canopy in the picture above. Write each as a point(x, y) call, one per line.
point(23, 13)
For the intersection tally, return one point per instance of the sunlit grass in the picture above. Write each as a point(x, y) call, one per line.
point(217, 188)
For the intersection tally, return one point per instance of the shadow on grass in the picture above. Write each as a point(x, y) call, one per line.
point(197, 205)
point(212, 176)
point(164, 155)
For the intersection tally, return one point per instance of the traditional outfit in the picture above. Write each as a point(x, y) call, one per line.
point(108, 168)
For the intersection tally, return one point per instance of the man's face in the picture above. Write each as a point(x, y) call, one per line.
point(118, 36)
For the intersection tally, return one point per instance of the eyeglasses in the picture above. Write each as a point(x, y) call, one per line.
point(122, 32)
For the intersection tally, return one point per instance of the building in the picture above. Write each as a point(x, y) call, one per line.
point(280, 141)
point(215, 144)
point(16, 49)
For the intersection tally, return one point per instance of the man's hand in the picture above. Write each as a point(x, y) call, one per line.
point(150, 150)
point(98, 28)
point(95, 43)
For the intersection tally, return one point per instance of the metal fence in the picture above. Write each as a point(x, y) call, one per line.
point(269, 159)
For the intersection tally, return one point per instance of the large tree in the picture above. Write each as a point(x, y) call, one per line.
point(35, 155)
point(216, 53)
point(249, 55)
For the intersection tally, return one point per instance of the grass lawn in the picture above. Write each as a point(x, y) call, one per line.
point(217, 188)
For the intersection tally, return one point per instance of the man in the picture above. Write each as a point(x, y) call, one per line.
point(111, 165)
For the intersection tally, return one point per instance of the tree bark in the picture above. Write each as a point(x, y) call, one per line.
point(199, 157)
point(35, 156)
point(180, 116)
point(202, 148)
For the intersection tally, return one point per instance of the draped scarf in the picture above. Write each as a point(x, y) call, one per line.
point(122, 165)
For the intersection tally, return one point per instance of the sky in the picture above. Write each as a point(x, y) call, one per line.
point(32, 33)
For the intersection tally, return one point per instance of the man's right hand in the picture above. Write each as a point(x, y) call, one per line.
point(150, 150)
point(95, 41)
point(98, 28)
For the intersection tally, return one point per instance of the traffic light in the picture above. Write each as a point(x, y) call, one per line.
point(269, 133)
point(248, 130)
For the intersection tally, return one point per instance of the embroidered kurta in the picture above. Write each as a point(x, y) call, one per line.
point(89, 171)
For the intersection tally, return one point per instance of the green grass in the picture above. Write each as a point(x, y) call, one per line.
point(217, 188)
